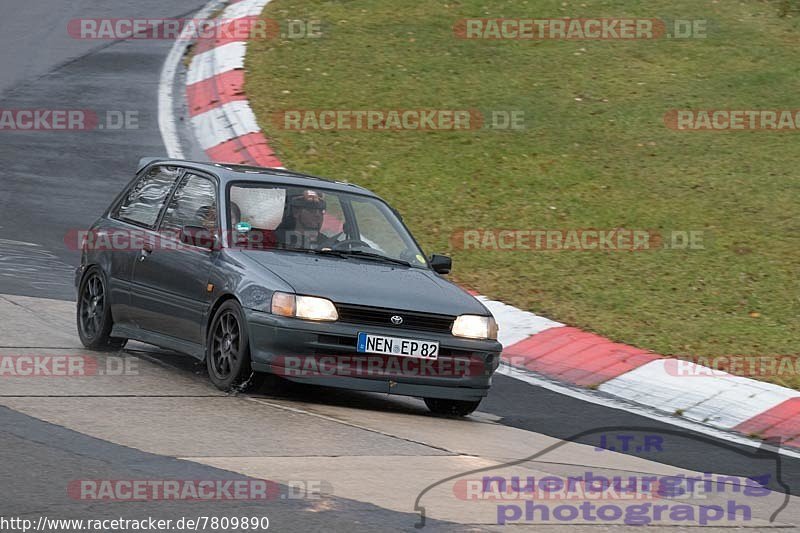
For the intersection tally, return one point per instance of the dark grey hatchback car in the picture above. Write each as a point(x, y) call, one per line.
point(262, 270)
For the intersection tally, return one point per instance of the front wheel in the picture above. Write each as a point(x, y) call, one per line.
point(228, 349)
point(440, 406)
point(94, 314)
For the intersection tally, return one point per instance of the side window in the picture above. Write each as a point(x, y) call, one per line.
point(193, 204)
point(144, 201)
point(261, 207)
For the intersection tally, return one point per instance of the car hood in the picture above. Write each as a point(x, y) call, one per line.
point(366, 282)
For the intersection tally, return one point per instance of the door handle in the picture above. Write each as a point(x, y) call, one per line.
point(145, 251)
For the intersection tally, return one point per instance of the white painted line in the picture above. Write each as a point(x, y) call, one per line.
point(245, 8)
point(166, 83)
point(516, 324)
point(216, 61)
point(224, 123)
point(722, 400)
point(612, 403)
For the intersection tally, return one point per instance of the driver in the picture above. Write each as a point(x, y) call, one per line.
point(301, 227)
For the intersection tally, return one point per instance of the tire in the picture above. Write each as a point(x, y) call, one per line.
point(93, 313)
point(228, 350)
point(441, 406)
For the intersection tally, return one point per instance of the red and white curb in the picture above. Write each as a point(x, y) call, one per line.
point(227, 130)
point(222, 120)
point(673, 387)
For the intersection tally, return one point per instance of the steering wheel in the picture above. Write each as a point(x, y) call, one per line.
point(349, 244)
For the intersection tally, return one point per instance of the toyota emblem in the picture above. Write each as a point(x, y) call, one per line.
point(397, 320)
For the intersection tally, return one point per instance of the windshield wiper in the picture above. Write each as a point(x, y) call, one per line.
point(350, 253)
point(337, 253)
point(368, 255)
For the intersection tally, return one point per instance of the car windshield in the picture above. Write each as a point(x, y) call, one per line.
point(280, 217)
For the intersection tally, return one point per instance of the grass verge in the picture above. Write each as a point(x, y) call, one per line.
point(595, 154)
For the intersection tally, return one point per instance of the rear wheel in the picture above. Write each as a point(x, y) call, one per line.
point(441, 406)
point(228, 350)
point(94, 314)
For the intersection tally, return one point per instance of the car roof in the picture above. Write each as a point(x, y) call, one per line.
point(229, 172)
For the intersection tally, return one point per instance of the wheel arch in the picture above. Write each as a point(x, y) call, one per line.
point(92, 267)
point(85, 270)
point(103, 340)
point(213, 311)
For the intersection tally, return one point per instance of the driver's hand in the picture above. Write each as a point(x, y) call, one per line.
point(328, 242)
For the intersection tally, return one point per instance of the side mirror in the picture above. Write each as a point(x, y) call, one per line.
point(198, 236)
point(441, 264)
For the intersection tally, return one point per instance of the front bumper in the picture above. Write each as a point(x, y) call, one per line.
point(324, 353)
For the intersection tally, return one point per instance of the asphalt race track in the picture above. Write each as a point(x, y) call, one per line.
point(66, 178)
point(165, 421)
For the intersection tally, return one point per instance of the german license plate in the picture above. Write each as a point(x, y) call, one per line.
point(396, 346)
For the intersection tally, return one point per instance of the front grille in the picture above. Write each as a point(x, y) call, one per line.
point(378, 316)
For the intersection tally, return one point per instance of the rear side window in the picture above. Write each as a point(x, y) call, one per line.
point(193, 204)
point(144, 201)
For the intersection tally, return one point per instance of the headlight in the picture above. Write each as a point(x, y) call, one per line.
point(475, 327)
point(307, 307)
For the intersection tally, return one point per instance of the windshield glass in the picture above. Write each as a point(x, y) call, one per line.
point(280, 217)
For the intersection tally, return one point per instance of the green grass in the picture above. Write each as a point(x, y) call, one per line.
point(595, 154)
